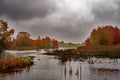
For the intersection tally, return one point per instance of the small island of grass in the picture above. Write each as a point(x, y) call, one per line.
point(12, 63)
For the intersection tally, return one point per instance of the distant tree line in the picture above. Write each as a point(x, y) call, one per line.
point(104, 35)
point(22, 40)
point(68, 44)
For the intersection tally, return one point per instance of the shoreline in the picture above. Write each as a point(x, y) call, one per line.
point(90, 51)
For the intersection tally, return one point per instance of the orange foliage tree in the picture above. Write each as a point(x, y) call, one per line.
point(5, 36)
point(46, 42)
point(23, 40)
point(87, 42)
point(105, 35)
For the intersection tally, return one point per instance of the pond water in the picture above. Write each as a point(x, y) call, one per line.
point(48, 67)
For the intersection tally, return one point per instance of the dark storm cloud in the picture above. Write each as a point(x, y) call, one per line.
point(56, 19)
point(26, 9)
point(106, 12)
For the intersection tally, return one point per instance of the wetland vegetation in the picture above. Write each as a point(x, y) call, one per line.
point(12, 63)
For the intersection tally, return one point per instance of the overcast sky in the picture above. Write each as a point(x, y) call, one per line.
point(67, 20)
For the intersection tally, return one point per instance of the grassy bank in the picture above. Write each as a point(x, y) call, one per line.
point(100, 51)
point(15, 63)
point(23, 48)
point(90, 51)
point(30, 48)
point(110, 48)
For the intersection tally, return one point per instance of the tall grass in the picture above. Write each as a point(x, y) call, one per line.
point(12, 63)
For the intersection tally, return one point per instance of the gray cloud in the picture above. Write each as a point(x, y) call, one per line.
point(58, 19)
point(26, 9)
point(106, 12)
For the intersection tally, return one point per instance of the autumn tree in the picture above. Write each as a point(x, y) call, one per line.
point(87, 42)
point(116, 37)
point(54, 43)
point(5, 36)
point(47, 42)
point(105, 35)
point(37, 43)
point(23, 39)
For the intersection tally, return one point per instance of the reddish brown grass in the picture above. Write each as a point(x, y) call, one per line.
point(14, 63)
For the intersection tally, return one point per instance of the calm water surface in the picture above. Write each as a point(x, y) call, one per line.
point(53, 68)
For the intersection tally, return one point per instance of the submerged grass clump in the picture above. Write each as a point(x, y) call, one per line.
point(12, 63)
